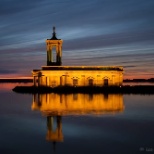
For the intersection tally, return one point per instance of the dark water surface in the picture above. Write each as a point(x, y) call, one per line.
point(75, 124)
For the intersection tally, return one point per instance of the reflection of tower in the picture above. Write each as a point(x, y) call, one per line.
point(54, 135)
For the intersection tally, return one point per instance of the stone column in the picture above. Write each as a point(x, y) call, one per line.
point(48, 57)
point(120, 79)
point(48, 53)
point(60, 54)
point(51, 58)
point(65, 80)
point(113, 82)
point(39, 81)
point(46, 81)
point(34, 81)
point(58, 60)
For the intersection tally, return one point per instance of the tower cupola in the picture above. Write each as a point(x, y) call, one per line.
point(51, 44)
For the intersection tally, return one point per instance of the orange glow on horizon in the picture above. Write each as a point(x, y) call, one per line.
point(138, 77)
point(10, 86)
point(15, 77)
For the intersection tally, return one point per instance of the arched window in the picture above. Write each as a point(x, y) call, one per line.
point(54, 54)
point(106, 82)
point(91, 82)
point(75, 82)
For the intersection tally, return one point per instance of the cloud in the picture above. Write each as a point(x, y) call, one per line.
point(10, 7)
point(8, 71)
point(129, 66)
point(94, 32)
point(108, 40)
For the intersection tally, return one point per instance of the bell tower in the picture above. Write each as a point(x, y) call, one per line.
point(51, 44)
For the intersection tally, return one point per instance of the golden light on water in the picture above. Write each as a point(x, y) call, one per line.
point(77, 104)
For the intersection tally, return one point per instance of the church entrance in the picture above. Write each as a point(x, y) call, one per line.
point(106, 82)
point(75, 82)
point(91, 82)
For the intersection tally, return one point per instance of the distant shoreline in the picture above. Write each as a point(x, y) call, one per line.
point(137, 89)
point(139, 80)
point(16, 80)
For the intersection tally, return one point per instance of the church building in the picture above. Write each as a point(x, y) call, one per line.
point(54, 74)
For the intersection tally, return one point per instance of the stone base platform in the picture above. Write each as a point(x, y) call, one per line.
point(138, 89)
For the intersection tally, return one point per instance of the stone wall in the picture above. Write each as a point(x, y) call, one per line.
point(55, 78)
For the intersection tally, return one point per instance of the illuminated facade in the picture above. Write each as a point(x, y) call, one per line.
point(54, 74)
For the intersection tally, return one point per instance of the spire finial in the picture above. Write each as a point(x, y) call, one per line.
point(54, 34)
point(54, 29)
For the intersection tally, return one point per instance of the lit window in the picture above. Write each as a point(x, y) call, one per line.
point(106, 82)
point(91, 82)
point(75, 82)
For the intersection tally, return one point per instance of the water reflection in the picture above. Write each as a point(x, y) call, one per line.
point(77, 104)
point(54, 106)
point(54, 135)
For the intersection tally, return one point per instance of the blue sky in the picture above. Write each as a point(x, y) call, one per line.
point(95, 32)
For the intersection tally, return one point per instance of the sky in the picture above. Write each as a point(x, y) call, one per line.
point(94, 32)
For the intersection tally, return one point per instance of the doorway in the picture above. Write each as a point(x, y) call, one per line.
point(75, 82)
point(91, 82)
point(106, 82)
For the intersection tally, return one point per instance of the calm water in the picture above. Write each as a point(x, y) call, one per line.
point(78, 124)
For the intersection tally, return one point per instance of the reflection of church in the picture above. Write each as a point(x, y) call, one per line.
point(54, 74)
point(54, 106)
